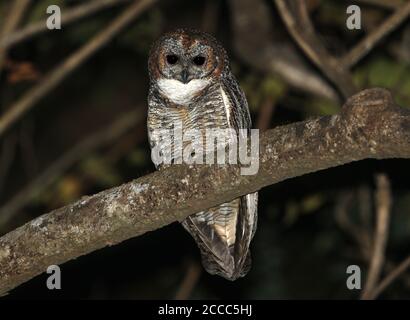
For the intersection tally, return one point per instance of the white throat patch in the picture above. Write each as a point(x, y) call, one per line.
point(181, 93)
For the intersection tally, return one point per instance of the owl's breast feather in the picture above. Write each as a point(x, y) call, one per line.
point(181, 93)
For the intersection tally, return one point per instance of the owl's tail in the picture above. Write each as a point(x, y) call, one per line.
point(228, 269)
point(223, 235)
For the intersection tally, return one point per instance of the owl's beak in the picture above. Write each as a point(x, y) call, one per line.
point(184, 76)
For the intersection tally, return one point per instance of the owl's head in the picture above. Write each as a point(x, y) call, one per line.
point(186, 55)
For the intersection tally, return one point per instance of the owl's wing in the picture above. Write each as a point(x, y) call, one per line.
point(241, 119)
point(224, 233)
point(237, 102)
point(155, 126)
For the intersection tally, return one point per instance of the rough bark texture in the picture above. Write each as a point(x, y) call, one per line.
point(369, 126)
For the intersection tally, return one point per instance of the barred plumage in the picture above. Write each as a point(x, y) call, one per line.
point(200, 94)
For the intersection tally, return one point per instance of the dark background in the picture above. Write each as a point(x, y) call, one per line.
point(301, 249)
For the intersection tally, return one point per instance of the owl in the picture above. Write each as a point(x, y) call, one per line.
point(191, 84)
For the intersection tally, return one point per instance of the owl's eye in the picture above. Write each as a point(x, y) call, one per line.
point(199, 60)
point(172, 58)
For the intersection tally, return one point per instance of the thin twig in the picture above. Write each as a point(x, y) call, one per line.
point(11, 23)
point(17, 110)
point(399, 270)
point(189, 282)
point(90, 144)
point(368, 43)
point(361, 236)
point(267, 54)
point(295, 15)
point(389, 4)
point(68, 16)
point(383, 204)
point(345, 223)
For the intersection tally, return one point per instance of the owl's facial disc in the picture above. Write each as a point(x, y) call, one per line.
point(185, 59)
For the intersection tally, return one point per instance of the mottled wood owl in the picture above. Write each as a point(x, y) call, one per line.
point(191, 83)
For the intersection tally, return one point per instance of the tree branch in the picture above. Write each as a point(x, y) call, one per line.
point(369, 126)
